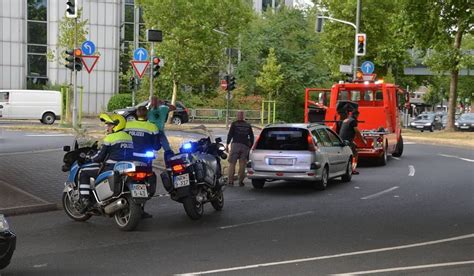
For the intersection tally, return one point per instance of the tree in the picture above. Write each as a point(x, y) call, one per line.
point(439, 26)
point(192, 51)
point(270, 79)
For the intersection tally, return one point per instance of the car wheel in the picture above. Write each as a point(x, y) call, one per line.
point(323, 183)
point(383, 159)
point(258, 183)
point(347, 177)
point(176, 120)
point(431, 128)
point(48, 118)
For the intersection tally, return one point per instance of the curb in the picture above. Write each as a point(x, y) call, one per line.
point(29, 209)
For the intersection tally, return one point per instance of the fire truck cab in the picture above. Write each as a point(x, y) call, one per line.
point(379, 120)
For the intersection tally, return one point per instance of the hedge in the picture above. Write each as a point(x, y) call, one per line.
point(119, 101)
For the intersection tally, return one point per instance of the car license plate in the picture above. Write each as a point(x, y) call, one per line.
point(419, 126)
point(139, 190)
point(464, 127)
point(281, 161)
point(181, 180)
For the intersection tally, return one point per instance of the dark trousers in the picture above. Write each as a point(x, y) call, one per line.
point(84, 179)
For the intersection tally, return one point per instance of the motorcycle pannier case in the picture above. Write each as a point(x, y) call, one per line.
point(107, 185)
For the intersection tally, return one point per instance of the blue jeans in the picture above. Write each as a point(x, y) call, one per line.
point(164, 141)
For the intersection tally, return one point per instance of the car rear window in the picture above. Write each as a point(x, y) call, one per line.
point(283, 138)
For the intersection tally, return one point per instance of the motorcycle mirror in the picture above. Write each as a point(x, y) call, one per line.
point(218, 139)
point(66, 148)
point(76, 145)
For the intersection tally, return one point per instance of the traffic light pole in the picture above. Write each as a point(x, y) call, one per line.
point(228, 93)
point(356, 65)
point(152, 52)
point(74, 107)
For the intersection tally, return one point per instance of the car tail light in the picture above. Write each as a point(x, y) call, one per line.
point(256, 142)
point(139, 176)
point(311, 146)
point(187, 110)
point(178, 168)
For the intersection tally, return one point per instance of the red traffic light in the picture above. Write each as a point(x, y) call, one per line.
point(156, 60)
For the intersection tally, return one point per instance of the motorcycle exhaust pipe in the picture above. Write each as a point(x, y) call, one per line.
point(115, 206)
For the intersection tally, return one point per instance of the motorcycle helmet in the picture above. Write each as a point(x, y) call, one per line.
point(117, 120)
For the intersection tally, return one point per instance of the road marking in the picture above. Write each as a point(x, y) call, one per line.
point(403, 268)
point(23, 192)
point(266, 220)
point(241, 199)
point(380, 193)
point(409, 143)
point(457, 157)
point(411, 170)
point(396, 158)
point(332, 256)
point(49, 135)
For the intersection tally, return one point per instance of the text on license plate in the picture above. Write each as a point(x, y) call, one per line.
point(181, 180)
point(139, 190)
point(281, 161)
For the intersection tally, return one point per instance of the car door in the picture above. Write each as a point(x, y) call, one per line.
point(340, 159)
point(327, 149)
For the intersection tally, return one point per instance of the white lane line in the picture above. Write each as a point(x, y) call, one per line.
point(404, 268)
point(241, 199)
point(457, 157)
point(49, 135)
point(463, 237)
point(29, 152)
point(396, 158)
point(267, 220)
point(380, 193)
point(411, 170)
point(23, 192)
point(409, 143)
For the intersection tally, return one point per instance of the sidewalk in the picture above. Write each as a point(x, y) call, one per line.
point(14, 201)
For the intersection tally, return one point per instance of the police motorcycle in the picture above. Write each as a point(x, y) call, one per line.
point(194, 176)
point(118, 193)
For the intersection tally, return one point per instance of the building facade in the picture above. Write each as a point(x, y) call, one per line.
point(29, 32)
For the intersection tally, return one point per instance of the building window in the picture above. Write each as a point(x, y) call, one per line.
point(37, 74)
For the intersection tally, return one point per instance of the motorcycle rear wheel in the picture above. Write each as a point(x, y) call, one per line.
point(71, 211)
point(194, 209)
point(127, 219)
point(218, 201)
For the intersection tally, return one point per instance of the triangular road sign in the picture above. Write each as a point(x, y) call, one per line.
point(89, 62)
point(140, 67)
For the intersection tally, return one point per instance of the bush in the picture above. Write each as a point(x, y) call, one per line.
point(119, 101)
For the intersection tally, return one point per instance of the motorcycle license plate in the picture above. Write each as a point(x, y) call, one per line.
point(181, 180)
point(139, 190)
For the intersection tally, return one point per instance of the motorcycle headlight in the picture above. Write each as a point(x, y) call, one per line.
point(428, 124)
point(187, 146)
point(3, 224)
point(150, 154)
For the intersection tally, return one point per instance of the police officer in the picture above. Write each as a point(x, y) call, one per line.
point(116, 146)
point(145, 139)
point(349, 132)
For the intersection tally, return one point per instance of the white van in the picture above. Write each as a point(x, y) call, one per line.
point(44, 105)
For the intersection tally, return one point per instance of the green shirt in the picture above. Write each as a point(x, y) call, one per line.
point(158, 116)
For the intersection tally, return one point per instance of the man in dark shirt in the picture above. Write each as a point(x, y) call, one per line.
point(348, 132)
point(241, 135)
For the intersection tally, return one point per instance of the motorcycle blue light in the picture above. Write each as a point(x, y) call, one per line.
point(187, 146)
point(150, 154)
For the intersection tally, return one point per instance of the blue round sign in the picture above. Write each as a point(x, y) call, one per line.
point(140, 54)
point(88, 48)
point(367, 67)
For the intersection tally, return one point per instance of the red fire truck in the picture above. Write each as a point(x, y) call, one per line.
point(379, 121)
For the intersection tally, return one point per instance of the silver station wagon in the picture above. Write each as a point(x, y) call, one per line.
point(306, 152)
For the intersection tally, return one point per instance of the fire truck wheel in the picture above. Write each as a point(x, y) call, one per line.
point(383, 159)
point(399, 148)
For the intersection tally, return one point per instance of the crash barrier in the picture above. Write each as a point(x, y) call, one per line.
point(268, 112)
point(219, 115)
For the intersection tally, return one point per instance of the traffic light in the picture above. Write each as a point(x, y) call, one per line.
point(319, 24)
point(361, 43)
point(230, 83)
point(71, 11)
point(132, 84)
point(73, 59)
point(156, 67)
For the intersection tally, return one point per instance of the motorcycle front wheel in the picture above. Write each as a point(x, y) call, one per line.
point(127, 219)
point(218, 201)
point(72, 211)
point(194, 209)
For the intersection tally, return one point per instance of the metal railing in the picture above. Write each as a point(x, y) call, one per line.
point(218, 115)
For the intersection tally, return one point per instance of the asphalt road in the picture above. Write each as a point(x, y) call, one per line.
point(413, 217)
